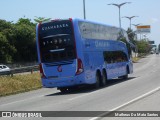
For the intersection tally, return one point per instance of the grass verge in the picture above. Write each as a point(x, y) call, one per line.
point(19, 83)
point(135, 59)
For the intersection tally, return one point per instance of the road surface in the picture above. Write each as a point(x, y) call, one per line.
point(141, 92)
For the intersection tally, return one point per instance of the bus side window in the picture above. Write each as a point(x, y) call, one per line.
point(108, 57)
point(105, 56)
point(114, 56)
point(124, 56)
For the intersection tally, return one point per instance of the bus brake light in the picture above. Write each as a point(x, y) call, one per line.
point(41, 71)
point(79, 67)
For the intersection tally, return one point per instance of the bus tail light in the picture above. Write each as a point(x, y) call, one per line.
point(41, 71)
point(79, 67)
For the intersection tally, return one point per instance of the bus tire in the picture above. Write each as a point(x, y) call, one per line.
point(126, 76)
point(104, 78)
point(63, 90)
point(98, 78)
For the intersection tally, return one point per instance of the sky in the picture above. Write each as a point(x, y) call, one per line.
point(96, 10)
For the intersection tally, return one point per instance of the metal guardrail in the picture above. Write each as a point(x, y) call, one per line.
point(20, 70)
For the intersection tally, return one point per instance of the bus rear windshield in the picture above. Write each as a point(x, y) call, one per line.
point(57, 41)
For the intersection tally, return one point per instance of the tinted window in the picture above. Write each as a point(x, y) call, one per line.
point(57, 41)
point(98, 31)
point(114, 56)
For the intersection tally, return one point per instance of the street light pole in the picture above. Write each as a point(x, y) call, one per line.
point(119, 6)
point(130, 18)
point(84, 9)
point(136, 24)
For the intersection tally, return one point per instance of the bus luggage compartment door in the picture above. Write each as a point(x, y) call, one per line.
point(62, 70)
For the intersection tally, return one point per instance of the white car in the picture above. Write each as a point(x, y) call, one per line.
point(4, 68)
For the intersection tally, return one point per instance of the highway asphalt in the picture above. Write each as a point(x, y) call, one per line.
point(139, 93)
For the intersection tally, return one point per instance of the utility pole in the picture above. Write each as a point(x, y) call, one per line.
point(119, 7)
point(84, 9)
point(130, 18)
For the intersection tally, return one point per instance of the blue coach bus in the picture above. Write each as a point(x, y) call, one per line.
point(75, 52)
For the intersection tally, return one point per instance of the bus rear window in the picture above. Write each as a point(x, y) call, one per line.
point(57, 42)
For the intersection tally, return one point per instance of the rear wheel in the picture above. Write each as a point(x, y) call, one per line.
point(125, 77)
point(98, 78)
point(104, 78)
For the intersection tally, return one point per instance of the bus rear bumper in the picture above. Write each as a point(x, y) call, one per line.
point(72, 81)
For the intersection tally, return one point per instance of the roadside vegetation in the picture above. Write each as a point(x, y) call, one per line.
point(18, 40)
point(135, 59)
point(19, 83)
point(142, 46)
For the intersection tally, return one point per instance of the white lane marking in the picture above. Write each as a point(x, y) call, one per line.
point(127, 103)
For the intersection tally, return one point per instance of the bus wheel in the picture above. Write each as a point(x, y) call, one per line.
point(98, 78)
point(63, 90)
point(126, 76)
point(104, 78)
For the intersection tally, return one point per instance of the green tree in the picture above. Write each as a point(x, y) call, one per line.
point(6, 50)
point(41, 19)
point(7, 41)
point(25, 40)
point(131, 35)
point(143, 46)
point(5, 25)
point(123, 39)
point(17, 41)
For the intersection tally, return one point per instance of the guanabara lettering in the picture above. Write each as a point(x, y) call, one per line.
point(54, 27)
